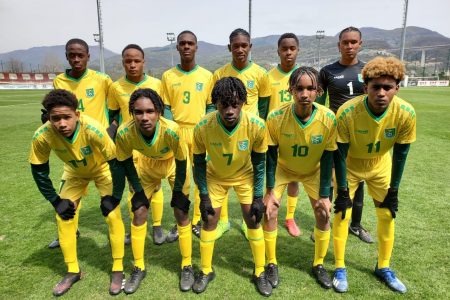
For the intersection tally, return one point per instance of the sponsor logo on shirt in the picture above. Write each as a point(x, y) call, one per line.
point(90, 93)
point(86, 150)
point(243, 145)
point(250, 84)
point(316, 139)
point(176, 84)
point(362, 131)
point(339, 76)
point(288, 135)
point(216, 144)
point(389, 133)
point(199, 86)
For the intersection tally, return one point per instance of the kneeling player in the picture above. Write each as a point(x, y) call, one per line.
point(369, 126)
point(162, 155)
point(235, 141)
point(302, 138)
point(85, 148)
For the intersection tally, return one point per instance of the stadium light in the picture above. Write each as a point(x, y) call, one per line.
point(250, 24)
point(402, 46)
point(320, 34)
point(100, 36)
point(171, 39)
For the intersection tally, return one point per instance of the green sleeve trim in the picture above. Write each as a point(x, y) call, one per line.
point(210, 108)
point(180, 175)
point(340, 166)
point(114, 115)
point(271, 166)
point(326, 168)
point(398, 163)
point(168, 112)
point(43, 181)
point(200, 173)
point(259, 165)
point(118, 178)
point(322, 99)
point(131, 174)
point(263, 106)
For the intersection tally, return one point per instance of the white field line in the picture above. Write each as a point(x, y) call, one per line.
point(1, 106)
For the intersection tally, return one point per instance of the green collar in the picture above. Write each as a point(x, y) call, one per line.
point(76, 79)
point(250, 63)
point(178, 66)
point(366, 104)
point(138, 83)
point(310, 119)
point(287, 73)
point(74, 137)
point(152, 142)
point(229, 133)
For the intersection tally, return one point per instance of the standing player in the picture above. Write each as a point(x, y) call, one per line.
point(288, 47)
point(89, 86)
point(368, 128)
point(118, 101)
point(236, 144)
point(85, 148)
point(185, 91)
point(342, 81)
point(257, 85)
point(302, 138)
point(162, 154)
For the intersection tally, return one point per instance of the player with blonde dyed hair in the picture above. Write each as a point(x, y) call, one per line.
point(369, 126)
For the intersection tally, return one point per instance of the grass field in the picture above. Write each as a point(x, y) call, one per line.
point(421, 253)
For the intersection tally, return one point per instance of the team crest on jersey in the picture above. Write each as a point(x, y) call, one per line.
point(360, 78)
point(90, 93)
point(243, 145)
point(86, 150)
point(389, 133)
point(250, 84)
point(199, 86)
point(316, 139)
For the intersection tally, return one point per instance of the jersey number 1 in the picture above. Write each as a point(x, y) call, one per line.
point(350, 87)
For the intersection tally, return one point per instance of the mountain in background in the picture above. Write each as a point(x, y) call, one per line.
point(158, 59)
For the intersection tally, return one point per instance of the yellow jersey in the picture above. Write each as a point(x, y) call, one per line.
point(229, 153)
point(370, 136)
point(255, 79)
point(121, 90)
point(300, 146)
point(279, 83)
point(165, 144)
point(84, 155)
point(187, 93)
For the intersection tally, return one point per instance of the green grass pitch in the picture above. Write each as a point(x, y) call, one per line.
point(28, 269)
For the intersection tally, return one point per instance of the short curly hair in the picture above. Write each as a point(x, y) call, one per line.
point(60, 97)
point(383, 66)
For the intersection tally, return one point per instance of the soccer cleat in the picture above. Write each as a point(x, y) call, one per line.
point(292, 228)
point(263, 286)
point(222, 227)
point(272, 274)
point(360, 232)
point(196, 229)
point(201, 281)
point(158, 235)
point(172, 235)
point(340, 283)
point(117, 283)
point(66, 283)
point(321, 275)
point(388, 276)
point(127, 240)
point(186, 278)
point(244, 229)
point(55, 243)
point(134, 281)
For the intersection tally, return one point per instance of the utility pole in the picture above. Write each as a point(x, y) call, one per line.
point(402, 45)
point(250, 24)
point(100, 36)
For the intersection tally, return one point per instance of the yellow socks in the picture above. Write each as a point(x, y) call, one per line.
point(185, 243)
point(256, 239)
point(207, 239)
point(385, 231)
point(67, 230)
point(224, 211)
point(197, 214)
point(322, 240)
point(270, 239)
point(290, 207)
point(116, 238)
point(157, 207)
point(340, 234)
point(138, 234)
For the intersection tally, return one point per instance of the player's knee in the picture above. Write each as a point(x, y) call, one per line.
point(292, 189)
point(320, 214)
point(181, 217)
point(108, 204)
point(140, 215)
point(139, 200)
point(384, 214)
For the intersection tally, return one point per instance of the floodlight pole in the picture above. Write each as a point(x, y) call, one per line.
point(320, 34)
point(171, 39)
point(250, 24)
point(402, 45)
point(100, 36)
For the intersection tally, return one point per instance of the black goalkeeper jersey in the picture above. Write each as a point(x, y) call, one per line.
point(342, 83)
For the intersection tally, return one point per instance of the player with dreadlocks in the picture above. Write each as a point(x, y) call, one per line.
point(236, 143)
point(302, 138)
